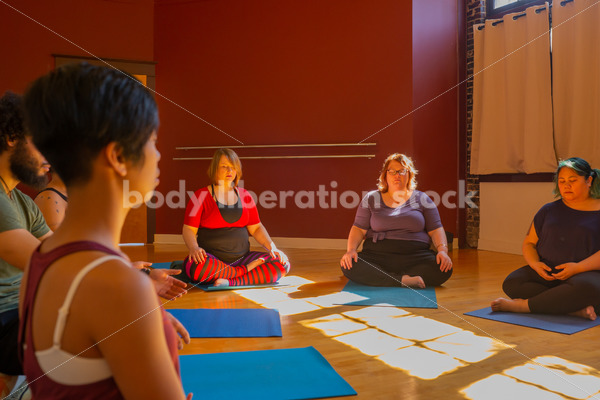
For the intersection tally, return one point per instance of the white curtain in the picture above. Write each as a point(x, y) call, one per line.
point(576, 79)
point(512, 105)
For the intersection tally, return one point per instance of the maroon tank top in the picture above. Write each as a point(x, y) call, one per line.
point(43, 387)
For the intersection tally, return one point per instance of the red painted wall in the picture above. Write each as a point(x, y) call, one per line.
point(272, 72)
point(104, 28)
point(436, 101)
point(33, 30)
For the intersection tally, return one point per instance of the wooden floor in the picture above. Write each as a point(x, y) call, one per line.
point(481, 360)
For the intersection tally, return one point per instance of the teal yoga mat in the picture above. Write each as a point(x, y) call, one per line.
point(225, 322)
point(161, 265)
point(299, 373)
point(567, 324)
point(391, 296)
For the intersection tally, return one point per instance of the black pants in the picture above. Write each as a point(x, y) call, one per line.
point(554, 297)
point(9, 332)
point(385, 262)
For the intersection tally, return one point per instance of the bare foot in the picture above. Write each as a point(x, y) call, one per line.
point(588, 313)
point(221, 282)
point(253, 264)
point(510, 305)
point(413, 281)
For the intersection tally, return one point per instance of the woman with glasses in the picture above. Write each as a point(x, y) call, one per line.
point(216, 229)
point(397, 223)
point(562, 250)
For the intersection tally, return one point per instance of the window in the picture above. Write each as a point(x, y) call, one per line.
point(497, 8)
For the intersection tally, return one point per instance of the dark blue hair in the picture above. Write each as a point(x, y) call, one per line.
point(582, 168)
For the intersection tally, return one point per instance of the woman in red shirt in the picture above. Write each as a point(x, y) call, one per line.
point(216, 229)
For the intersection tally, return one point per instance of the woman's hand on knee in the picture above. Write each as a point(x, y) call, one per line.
point(346, 261)
point(277, 254)
point(197, 255)
point(443, 259)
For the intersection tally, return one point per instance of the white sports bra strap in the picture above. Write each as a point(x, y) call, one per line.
point(63, 311)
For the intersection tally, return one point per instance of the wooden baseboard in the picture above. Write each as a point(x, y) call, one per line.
point(282, 242)
point(500, 246)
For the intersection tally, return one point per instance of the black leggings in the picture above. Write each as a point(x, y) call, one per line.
point(554, 297)
point(9, 334)
point(385, 262)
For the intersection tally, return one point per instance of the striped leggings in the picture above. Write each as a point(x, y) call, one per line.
point(236, 273)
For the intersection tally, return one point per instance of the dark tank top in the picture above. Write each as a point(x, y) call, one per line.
point(230, 243)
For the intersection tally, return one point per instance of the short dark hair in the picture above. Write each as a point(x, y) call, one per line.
point(11, 119)
point(76, 110)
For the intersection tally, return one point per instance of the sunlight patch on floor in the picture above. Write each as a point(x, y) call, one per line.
point(545, 377)
point(466, 346)
point(373, 342)
point(501, 387)
point(415, 328)
point(422, 347)
point(335, 324)
point(277, 297)
point(420, 362)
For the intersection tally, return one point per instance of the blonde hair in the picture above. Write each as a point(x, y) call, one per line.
point(407, 163)
point(214, 165)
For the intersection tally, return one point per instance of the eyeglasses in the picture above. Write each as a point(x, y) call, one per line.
point(394, 172)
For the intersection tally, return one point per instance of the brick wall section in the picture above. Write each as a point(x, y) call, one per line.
point(475, 15)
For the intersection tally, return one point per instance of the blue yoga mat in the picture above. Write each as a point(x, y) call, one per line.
point(301, 373)
point(161, 265)
point(239, 322)
point(391, 296)
point(567, 324)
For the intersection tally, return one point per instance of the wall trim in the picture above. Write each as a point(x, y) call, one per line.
point(500, 246)
point(282, 242)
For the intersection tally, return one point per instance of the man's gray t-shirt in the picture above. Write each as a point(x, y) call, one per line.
point(16, 212)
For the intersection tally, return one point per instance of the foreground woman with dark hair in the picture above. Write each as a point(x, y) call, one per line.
point(91, 325)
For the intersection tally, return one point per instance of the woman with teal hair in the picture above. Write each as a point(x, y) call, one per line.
point(562, 250)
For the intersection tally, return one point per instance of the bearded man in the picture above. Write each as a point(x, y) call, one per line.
point(22, 226)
